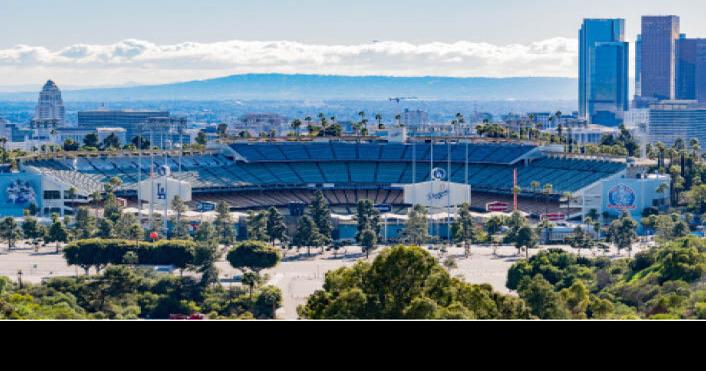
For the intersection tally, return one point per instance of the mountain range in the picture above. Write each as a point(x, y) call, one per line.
point(326, 87)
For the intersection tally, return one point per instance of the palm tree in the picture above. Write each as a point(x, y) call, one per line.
point(307, 120)
point(548, 190)
point(378, 117)
point(324, 122)
point(296, 125)
point(696, 149)
point(460, 119)
point(398, 117)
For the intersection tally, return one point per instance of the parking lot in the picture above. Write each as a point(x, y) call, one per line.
point(298, 276)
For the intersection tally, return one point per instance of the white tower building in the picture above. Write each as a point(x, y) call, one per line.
point(50, 106)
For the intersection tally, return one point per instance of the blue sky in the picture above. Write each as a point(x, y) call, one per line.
point(97, 42)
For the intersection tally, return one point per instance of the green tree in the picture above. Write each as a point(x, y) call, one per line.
point(367, 218)
point(463, 230)
point(105, 228)
point(140, 142)
point(91, 140)
point(416, 229)
point(224, 224)
point(581, 240)
point(111, 141)
point(207, 233)
point(405, 283)
point(33, 230)
point(368, 240)
point(527, 239)
point(85, 224)
point(253, 256)
point(321, 214)
point(541, 298)
point(10, 231)
point(221, 130)
point(576, 299)
point(276, 228)
point(124, 227)
point(180, 227)
point(201, 138)
point(57, 232)
point(623, 232)
point(307, 234)
point(111, 209)
point(257, 226)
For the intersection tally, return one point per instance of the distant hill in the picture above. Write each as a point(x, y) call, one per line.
point(321, 87)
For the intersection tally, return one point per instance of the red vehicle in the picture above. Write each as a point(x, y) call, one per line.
point(193, 316)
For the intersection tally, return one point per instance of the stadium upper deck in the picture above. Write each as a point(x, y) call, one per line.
point(262, 166)
point(485, 153)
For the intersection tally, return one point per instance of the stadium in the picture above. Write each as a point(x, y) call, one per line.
point(255, 174)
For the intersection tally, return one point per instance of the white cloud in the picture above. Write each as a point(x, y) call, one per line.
point(145, 62)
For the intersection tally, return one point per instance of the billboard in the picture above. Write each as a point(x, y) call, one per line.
point(497, 206)
point(19, 191)
point(159, 190)
point(622, 197)
point(437, 194)
point(632, 195)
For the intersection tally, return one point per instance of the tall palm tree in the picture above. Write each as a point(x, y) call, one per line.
point(296, 125)
point(460, 119)
point(307, 120)
point(324, 123)
point(548, 190)
point(398, 117)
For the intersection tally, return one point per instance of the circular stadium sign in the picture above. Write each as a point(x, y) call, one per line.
point(164, 170)
point(438, 174)
point(622, 197)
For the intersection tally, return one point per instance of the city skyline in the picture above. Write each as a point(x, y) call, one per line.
point(172, 42)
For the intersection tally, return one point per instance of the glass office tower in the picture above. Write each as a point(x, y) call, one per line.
point(638, 66)
point(605, 97)
point(608, 93)
point(691, 69)
point(658, 57)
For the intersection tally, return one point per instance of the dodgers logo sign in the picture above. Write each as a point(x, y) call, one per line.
point(622, 197)
point(164, 170)
point(161, 192)
point(438, 174)
point(431, 197)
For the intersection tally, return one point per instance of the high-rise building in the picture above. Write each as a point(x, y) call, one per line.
point(414, 117)
point(658, 68)
point(638, 66)
point(603, 63)
point(672, 120)
point(608, 94)
point(50, 106)
point(691, 69)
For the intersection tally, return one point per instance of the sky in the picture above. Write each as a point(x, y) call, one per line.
point(110, 43)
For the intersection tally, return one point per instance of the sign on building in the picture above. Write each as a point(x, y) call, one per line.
point(19, 191)
point(497, 206)
point(161, 189)
point(633, 195)
point(437, 194)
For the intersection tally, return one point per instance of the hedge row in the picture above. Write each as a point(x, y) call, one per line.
point(100, 252)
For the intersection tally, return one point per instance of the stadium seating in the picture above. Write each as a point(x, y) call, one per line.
point(489, 153)
point(279, 173)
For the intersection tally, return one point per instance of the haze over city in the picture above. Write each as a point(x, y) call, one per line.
point(90, 43)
